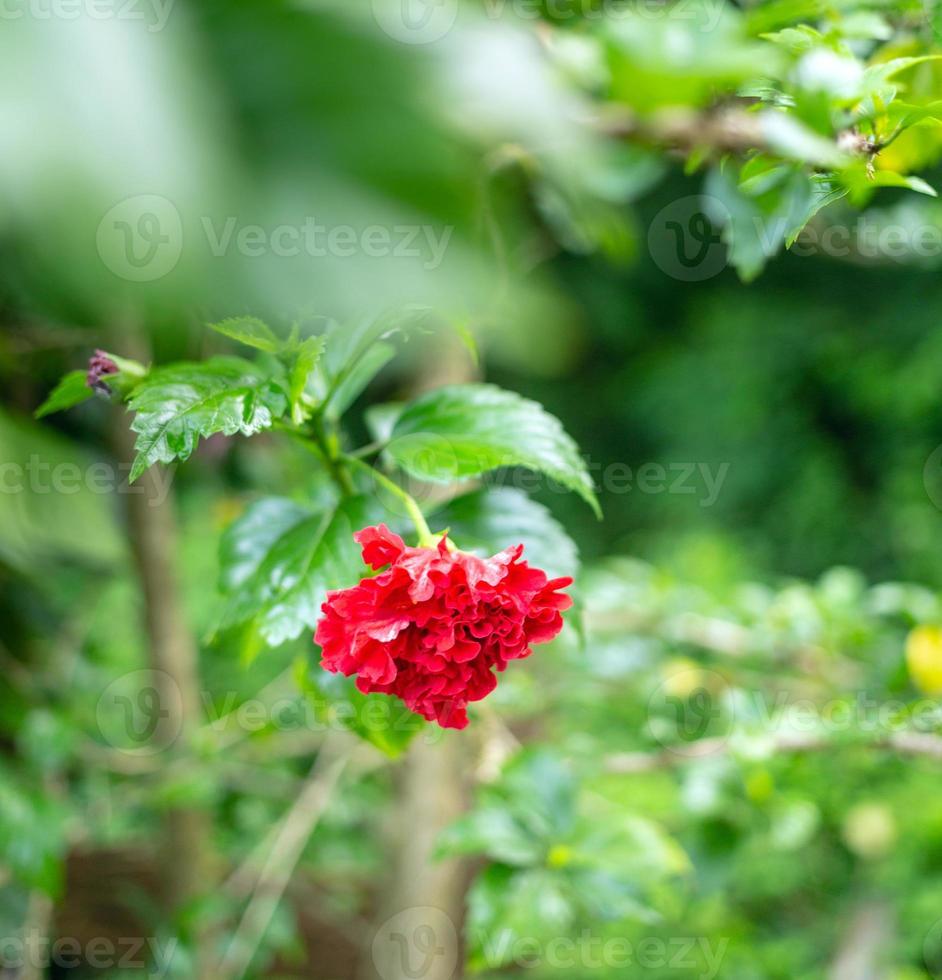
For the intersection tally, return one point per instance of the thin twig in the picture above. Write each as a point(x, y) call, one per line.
point(287, 846)
point(628, 763)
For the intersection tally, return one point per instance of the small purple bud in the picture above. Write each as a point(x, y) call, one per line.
point(100, 365)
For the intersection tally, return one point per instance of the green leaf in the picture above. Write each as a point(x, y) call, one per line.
point(349, 364)
point(381, 420)
point(249, 330)
point(380, 719)
point(887, 178)
point(305, 360)
point(354, 381)
point(877, 76)
point(797, 40)
point(466, 336)
point(356, 352)
point(279, 559)
point(755, 226)
point(33, 827)
point(673, 61)
point(861, 184)
point(904, 114)
point(824, 191)
point(47, 530)
point(178, 405)
point(507, 906)
point(488, 521)
point(493, 831)
point(71, 390)
point(461, 431)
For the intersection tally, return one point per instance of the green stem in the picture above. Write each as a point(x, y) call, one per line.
point(369, 449)
point(329, 446)
point(426, 538)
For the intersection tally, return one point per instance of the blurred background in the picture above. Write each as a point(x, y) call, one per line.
point(766, 438)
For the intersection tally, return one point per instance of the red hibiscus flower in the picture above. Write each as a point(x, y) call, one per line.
point(434, 626)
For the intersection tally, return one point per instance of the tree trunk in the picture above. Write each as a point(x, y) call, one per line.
point(185, 845)
point(421, 908)
point(420, 911)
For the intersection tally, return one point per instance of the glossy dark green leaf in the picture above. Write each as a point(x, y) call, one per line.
point(462, 431)
point(279, 559)
point(487, 521)
point(178, 405)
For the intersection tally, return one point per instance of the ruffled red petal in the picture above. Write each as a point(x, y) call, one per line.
point(435, 626)
point(380, 546)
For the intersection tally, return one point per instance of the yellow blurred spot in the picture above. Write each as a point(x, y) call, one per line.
point(760, 786)
point(226, 510)
point(924, 658)
point(870, 830)
point(682, 677)
point(559, 856)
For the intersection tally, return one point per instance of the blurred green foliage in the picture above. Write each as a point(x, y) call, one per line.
point(747, 434)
